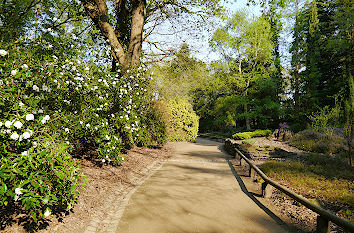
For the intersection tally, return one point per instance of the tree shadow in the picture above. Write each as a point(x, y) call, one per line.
point(13, 214)
point(252, 195)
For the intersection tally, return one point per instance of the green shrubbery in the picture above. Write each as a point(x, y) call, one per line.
point(181, 121)
point(248, 135)
point(51, 105)
point(313, 141)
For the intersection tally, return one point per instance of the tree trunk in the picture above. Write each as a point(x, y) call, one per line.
point(245, 106)
point(297, 91)
point(126, 55)
point(134, 49)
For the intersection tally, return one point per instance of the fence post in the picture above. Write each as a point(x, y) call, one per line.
point(251, 172)
point(322, 225)
point(267, 190)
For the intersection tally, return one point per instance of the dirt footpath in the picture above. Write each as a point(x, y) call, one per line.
point(195, 191)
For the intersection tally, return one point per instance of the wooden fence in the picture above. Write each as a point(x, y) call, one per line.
point(324, 216)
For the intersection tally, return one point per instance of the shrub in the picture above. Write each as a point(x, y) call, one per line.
point(51, 105)
point(313, 141)
point(39, 180)
point(248, 135)
point(181, 121)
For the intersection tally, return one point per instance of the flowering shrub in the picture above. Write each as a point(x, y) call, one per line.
point(50, 107)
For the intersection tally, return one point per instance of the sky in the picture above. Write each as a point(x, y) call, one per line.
point(200, 46)
point(205, 54)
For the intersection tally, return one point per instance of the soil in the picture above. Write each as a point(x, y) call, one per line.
point(102, 183)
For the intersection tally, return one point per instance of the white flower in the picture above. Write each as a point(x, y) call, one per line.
point(81, 122)
point(46, 117)
point(35, 88)
point(103, 160)
point(18, 191)
point(24, 153)
point(49, 29)
point(26, 135)
point(43, 121)
point(45, 200)
point(55, 19)
point(18, 124)
point(29, 117)
point(47, 213)
point(14, 136)
point(87, 68)
point(44, 87)
point(67, 130)
point(20, 104)
point(40, 111)
point(24, 66)
point(87, 125)
point(0, 123)
point(107, 137)
point(13, 72)
point(3, 52)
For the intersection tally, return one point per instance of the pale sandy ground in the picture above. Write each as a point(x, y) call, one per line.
point(196, 191)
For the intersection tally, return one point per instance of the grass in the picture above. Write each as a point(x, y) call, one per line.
point(322, 177)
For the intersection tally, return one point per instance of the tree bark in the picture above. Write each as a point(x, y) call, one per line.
point(136, 35)
point(126, 54)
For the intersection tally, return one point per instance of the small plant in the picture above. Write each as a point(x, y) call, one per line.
point(325, 120)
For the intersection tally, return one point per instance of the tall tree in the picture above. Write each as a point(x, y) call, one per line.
point(122, 22)
point(248, 44)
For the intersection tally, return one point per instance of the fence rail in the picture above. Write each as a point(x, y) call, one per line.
point(324, 217)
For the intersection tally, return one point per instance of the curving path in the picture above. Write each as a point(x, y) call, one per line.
point(196, 191)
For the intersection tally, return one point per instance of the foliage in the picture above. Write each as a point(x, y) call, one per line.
point(40, 180)
point(320, 176)
point(325, 119)
point(154, 130)
point(314, 141)
point(181, 76)
point(321, 56)
point(48, 99)
point(248, 135)
point(242, 92)
point(181, 120)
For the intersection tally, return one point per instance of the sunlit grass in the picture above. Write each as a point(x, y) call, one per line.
point(322, 177)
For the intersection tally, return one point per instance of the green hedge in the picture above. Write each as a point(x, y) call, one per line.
point(248, 135)
point(181, 121)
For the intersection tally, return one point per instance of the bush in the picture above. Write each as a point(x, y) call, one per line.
point(39, 180)
point(248, 135)
point(51, 106)
point(181, 121)
point(313, 141)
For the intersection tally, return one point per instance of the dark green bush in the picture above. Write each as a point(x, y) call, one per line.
point(248, 135)
point(154, 129)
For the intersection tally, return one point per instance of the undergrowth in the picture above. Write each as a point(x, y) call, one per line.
point(323, 177)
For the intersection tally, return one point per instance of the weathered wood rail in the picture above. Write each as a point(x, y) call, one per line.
point(324, 216)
